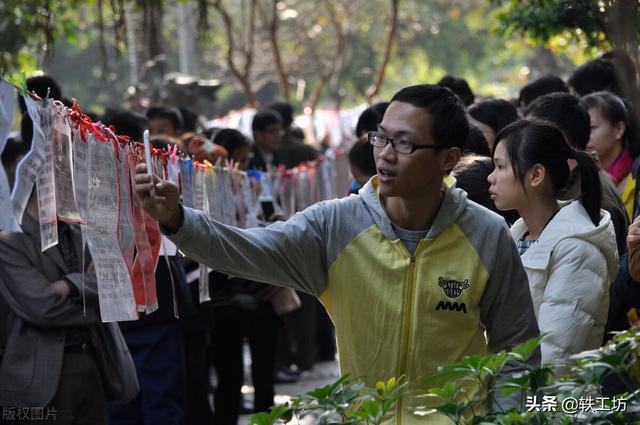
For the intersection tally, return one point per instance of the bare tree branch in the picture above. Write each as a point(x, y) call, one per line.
point(271, 26)
point(243, 76)
point(373, 91)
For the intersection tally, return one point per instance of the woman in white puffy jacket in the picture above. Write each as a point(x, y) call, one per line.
point(568, 249)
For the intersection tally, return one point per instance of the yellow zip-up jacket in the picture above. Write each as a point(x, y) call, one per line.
point(395, 313)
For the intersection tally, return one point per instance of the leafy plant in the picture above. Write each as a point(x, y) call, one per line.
point(541, 396)
point(346, 401)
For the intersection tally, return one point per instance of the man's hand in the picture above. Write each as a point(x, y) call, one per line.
point(61, 287)
point(164, 207)
point(633, 237)
point(633, 244)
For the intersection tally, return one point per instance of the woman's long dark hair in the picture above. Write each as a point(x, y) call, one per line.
point(530, 142)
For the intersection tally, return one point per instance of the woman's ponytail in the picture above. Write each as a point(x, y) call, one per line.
point(590, 185)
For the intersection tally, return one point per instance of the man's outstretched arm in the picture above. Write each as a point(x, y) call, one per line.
point(290, 253)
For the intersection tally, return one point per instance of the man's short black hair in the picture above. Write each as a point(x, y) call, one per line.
point(476, 143)
point(167, 112)
point(449, 124)
point(285, 110)
point(370, 118)
point(189, 120)
point(41, 85)
point(361, 156)
point(566, 112)
point(596, 75)
point(126, 123)
point(264, 118)
point(540, 87)
point(231, 140)
point(460, 87)
point(496, 113)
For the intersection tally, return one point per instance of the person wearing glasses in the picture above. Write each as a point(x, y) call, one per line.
point(413, 275)
point(268, 131)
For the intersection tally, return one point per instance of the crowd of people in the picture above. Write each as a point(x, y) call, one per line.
point(470, 225)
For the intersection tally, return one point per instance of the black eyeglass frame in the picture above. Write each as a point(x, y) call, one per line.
point(392, 140)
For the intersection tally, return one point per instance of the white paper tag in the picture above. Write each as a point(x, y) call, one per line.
point(7, 102)
point(203, 284)
point(80, 150)
point(186, 181)
point(168, 248)
point(66, 205)
point(115, 291)
point(46, 184)
point(29, 167)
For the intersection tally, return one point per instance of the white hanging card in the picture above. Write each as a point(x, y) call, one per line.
point(186, 181)
point(29, 167)
point(66, 205)
point(7, 102)
point(115, 291)
point(80, 154)
point(46, 184)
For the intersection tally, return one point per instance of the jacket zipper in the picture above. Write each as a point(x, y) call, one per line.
point(406, 332)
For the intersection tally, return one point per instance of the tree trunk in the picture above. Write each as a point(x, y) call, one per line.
point(244, 76)
point(314, 98)
point(373, 91)
point(271, 25)
point(132, 45)
point(622, 30)
point(186, 38)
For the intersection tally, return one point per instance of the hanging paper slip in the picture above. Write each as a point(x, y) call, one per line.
point(29, 167)
point(115, 291)
point(200, 203)
point(236, 178)
point(212, 194)
point(198, 189)
point(80, 150)
point(143, 276)
point(228, 204)
point(186, 182)
point(203, 284)
point(66, 205)
point(125, 228)
point(250, 198)
point(45, 182)
point(7, 102)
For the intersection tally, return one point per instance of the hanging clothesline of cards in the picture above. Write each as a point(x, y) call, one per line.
point(83, 173)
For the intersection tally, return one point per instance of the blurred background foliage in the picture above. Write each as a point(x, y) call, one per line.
point(316, 53)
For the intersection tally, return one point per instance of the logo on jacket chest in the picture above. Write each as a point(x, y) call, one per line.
point(453, 288)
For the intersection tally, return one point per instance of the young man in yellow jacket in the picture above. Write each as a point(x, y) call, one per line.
point(412, 273)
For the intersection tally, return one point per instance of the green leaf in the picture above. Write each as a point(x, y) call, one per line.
point(527, 349)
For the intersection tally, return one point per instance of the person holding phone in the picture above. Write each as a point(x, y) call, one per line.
point(411, 272)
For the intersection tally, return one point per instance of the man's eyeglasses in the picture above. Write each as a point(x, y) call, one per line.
point(277, 131)
point(379, 140)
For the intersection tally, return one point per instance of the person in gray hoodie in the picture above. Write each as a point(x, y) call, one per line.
point(412, 273)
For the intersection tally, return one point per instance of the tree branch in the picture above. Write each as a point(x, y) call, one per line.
point(243, 77)
point(373, 91)
point(271, 26)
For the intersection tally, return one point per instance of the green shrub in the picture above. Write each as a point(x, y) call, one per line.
point(543, 398)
